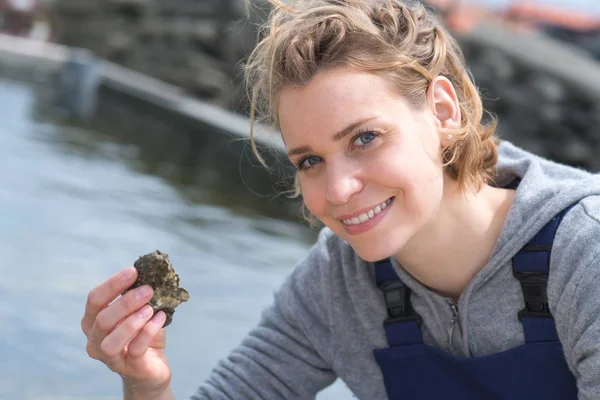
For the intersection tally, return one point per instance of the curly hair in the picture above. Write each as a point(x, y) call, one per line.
point(398, 40)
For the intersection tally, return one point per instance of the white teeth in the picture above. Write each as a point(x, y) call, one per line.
point(364, 217)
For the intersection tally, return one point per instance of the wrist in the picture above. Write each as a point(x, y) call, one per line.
point(139, 391)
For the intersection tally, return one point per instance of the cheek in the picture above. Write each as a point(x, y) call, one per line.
point(423, 197)
point(403, 169)
point(426, 198)
point(314, 196)
point(416, 176)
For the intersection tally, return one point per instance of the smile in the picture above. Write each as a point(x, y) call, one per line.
point(367, 215)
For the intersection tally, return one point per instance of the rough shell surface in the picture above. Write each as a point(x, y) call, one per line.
point(155, 269)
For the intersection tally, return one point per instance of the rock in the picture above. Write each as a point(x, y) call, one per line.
point(500, 67)
point(548, 87)
point(155, 269)
point(129, 3)
point(77, 6)
point(551, 113)
point(575, 152)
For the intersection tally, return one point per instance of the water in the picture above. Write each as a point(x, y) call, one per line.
point(73, 211)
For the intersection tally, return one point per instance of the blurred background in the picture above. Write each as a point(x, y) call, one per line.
point(123, 130)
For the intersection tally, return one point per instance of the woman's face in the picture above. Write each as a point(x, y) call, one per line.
point(369, 165)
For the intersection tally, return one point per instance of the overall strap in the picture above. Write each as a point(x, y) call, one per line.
point(531, 266)
point(402, 323)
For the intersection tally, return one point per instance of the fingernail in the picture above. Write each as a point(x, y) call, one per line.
point(128, 273)
point(143, 291)
point(160, 318)
point(145, 312)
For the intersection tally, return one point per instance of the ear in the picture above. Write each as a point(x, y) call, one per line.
point(444, 106)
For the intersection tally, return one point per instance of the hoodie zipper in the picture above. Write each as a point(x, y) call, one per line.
point(454, 321)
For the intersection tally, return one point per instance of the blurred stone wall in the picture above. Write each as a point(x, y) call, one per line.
point(545, 94)
point(198, 45)
point(195, 44)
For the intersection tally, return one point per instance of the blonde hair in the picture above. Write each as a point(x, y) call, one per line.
point(400, 41)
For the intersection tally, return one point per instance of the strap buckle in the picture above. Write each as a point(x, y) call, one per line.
point(534, 287)
point(397, 301)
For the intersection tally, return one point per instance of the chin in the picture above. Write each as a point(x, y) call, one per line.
point(371, 253)
point(387, 243)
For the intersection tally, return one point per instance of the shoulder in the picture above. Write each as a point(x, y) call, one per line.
point(574, 285)
point(314, 269)
point(591, 209)
point(330, 266)
point(330, 248)
point(311, 285)
point(578, 235)
point(576, 249)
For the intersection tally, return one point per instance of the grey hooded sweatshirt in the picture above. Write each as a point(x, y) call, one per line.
point(327, 317)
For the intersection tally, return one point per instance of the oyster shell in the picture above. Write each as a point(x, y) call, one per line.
point(155, 269)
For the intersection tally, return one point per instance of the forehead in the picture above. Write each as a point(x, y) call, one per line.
point(334, 86)
point(333, 98)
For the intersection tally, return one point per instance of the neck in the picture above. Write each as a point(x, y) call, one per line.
point(457, 243)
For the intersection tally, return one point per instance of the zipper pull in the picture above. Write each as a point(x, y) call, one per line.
point(454, 308)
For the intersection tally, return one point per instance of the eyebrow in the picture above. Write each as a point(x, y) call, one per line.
point(336, 138)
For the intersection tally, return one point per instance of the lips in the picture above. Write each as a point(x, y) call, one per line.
point(370, 218)
point(366, 215)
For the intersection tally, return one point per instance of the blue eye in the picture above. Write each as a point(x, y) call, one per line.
point(307, 162)
point(364, 138)
point(312, 160)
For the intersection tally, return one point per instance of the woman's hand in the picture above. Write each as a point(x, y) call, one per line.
point(125, 336)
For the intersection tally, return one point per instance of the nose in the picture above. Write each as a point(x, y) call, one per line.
point(342, 182)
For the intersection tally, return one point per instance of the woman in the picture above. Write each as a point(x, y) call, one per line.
point(431, 275)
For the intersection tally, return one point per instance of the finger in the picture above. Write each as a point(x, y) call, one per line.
point(113, 344)
point(103, 294)
point(130, 302)
point(138, 346)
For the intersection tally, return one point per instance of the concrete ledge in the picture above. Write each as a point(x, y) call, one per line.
point(36, 55)
point(200, 148)
point(23, 52)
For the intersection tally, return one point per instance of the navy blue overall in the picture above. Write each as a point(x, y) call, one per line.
point(534, 370)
